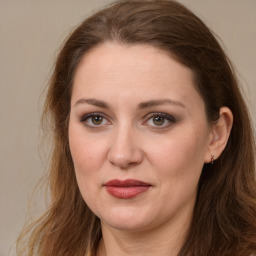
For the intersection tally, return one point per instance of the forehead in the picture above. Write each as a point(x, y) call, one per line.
point(114, 70)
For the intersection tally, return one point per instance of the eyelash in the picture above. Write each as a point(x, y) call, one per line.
point(85, 118)
point(170, 119)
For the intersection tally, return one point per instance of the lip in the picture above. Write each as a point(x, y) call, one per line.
point(126, 189)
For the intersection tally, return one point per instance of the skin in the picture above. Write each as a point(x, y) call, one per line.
point(127, 142)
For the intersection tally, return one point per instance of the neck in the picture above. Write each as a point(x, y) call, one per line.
point(166, 240)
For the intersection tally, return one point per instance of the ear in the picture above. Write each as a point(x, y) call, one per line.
point(220, 132)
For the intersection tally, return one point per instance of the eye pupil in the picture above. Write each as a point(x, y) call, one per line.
point(97, 120)
point(158, 120)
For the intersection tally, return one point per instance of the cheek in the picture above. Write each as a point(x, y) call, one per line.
point(179, 168)
point(180, 158)
point(88, 157)
point(87, 153)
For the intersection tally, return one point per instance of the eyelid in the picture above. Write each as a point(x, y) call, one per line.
point(171, 119)
point(84, 117)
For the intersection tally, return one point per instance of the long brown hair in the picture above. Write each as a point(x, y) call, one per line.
point(224, 220)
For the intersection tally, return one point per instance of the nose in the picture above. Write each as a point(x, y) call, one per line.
point(125, 150)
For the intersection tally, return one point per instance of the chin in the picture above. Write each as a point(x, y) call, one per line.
point(124, 225)
point(126, 219)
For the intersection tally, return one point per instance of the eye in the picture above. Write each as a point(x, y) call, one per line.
point(94, 119)
point(160, 120)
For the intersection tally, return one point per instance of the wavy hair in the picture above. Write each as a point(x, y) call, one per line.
point(224, 218)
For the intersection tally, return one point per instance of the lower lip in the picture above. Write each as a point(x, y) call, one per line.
point(126, 192)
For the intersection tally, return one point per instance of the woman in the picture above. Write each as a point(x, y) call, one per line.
point(153, 145)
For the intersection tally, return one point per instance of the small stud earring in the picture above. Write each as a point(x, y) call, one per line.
point(212, 159)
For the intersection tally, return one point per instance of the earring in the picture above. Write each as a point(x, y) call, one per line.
point(212, 159)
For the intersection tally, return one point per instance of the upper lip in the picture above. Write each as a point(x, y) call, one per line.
point(126, 183)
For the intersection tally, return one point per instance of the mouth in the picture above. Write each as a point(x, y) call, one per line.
point(126, 189)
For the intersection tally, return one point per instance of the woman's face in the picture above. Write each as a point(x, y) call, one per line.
point(138, 136)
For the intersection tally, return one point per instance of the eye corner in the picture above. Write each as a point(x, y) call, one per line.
point(164, 120)
point(95, 120)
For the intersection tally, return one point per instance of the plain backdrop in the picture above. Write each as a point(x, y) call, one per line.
point(30, 35)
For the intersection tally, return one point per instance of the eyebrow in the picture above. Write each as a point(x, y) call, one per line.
point(142, 105)
point(153, 103)
point(94, 102)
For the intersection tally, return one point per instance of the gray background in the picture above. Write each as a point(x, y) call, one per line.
point(30, 34)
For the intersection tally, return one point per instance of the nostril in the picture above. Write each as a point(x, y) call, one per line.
point(126, 159)
point(119, 160)
point(124, 150)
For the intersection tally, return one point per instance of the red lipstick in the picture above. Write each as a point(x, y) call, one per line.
point(126, 189)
